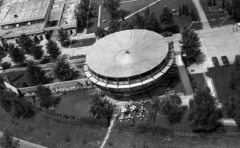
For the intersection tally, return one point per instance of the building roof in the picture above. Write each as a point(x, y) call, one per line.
point(25, 11)
point(127, 53)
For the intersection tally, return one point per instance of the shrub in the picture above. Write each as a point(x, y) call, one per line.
point(167, 34)
point(175, 99)
point(6, 65)
point(45, 60)
point(24, 84)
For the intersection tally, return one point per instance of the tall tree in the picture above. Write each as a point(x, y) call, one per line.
point(126, 25)
point(53, 50)
point(234, 79)
point(193, 15)
point(101, 108)
point(183, 9)
point(80, 15)
point(138, 21)
point(7, 141)
point(230, 106)
point(190, 45)
point(25, 43)
point(152, 23)
point(204, 116)
point(147, 12)
point(37, 51)
point(17, 55)
point(186, 10)
point(214, 3)
point(45, 96)
point(35, 74)
point(223, 4)
point(114, 26)
point(64, 37)
point(62, 70)
point(100, 32)
point(209, 3)
point(180, 11)
point(111, 6)
point(166, 17)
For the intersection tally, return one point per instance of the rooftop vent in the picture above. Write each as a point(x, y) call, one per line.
point(15, 15)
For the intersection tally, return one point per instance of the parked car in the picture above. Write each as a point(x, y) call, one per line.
point(225, 60)
point(215, 61)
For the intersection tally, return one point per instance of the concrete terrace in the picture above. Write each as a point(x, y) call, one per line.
point(68, 18)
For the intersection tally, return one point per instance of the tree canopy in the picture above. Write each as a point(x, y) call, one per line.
point(25, 43)
point(7, 141)
point(111, 6)
point(191, 46)
point(64, 37)
point(35, 74)
point(204, 116)
point(45, 96)
point(17, 55)
point(53, 50)
point(234, 80)
point(101, 108)
point(37, 51)
point(166, 17)
point(62, 70)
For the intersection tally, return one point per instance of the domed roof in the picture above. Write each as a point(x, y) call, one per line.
point(127, 53)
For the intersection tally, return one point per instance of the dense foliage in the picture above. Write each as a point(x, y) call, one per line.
point(64, 37)
point(7, 141)
point(62, 70)
point(37, 51)
point(17, 55)
point(53, 50)
point(25, 43)
point(35, 74)
point(204, 116)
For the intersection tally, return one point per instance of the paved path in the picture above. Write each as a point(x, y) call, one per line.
point(109, 131)
point(203, 18)
point(25, 144)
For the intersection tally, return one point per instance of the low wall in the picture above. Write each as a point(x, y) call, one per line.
point(57, 85)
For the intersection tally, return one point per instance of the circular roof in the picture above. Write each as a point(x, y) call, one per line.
point(127, 53)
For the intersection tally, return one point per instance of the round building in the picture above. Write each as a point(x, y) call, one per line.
point(128, 62)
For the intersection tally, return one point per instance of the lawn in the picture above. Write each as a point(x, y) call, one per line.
point(214, 16)
point(83, 42)
point(121, 139)
point(75, 103)
point(17, 78)
point(197, 81)
point(181, 21)
point(220, 76)
point(93, 21)
point(125, 8)
point(48, 132)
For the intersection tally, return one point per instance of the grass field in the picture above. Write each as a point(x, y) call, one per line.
point(215, 17)
point(47, 132)
point(83, 42)
point(17, 78)
point(220, 76)
point(125, 8)
point(75, 103)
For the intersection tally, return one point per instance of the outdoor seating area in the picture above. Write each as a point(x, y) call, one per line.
point(134, 111)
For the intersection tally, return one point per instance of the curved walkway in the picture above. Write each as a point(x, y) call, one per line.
point(203, 18)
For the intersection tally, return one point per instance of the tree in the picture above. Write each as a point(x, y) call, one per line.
point(17, 55)
point(101, 108)
point(53, 50)
point(230, 107)
point(209, 3)
point(237, 117)
point(214, 3)
point(183, 9)
point(64, 37)
point(114, 26)
point(7, 141)
point(138, 21)
point(37, 52)
point(186, 12)
point(80, 15)
point(62, 70)
point(234, 80)
point(35, 74)
point(190, 45)
point(166, 17)
point(126, 25)
point(228, 8)
point(204, 116)
point(25, 43)
point(193, 15)
point(111, 6)
point(180, 11)
point(85, 4)
point(223, 4)
point(35, 39)
point(147, 12)
point(152, 23)
point(16, 106)
point(100, 32)
point(45, 96)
